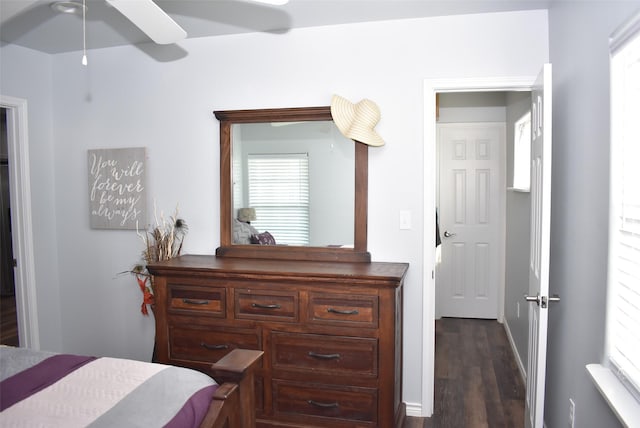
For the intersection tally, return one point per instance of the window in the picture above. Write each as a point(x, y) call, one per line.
point(522, 153)
point(279, 192)
point(618, 378)
point(624, 260)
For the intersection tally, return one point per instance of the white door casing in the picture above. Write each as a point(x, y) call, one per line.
point(540, 246)
point(471, 214)
point(21, 222)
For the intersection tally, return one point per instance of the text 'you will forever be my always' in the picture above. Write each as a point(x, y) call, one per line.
point(117, 188)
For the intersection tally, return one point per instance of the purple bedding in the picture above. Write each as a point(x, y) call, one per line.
point(62, 390)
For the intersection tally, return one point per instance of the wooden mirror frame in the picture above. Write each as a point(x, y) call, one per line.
point(358, 253)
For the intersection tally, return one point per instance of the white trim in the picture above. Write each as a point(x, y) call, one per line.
point(523, 372)
point(431, 86)
point(428, 270)
point(21, 222)
point(414, 409)
point(621, 36)
point(516, 190)
point(609, 381)
point(622, 402)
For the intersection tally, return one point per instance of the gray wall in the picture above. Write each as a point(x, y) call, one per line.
point(578, 40)
point(518, 205)
point(472, 107)
point(27, 74)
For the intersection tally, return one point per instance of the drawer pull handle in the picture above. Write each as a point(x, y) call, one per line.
point(347, 312)
point(195, 302)
point(324, 356)
point(260, 306)
point(323, 405)
point(213, 347)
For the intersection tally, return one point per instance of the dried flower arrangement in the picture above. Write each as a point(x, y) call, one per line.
point(162, 242)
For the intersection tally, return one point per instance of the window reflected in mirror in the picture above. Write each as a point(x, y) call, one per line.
point(292, 184)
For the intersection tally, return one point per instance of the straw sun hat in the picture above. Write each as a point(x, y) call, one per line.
point(356, 121)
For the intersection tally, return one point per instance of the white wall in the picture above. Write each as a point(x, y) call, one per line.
point(26, 74)
point(125, 98)
point(578, 34)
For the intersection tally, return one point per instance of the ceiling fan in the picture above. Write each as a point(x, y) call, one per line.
point(147, 16)
point(144, 14)
point(152, 20)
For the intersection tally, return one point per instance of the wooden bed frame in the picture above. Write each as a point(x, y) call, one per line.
point(233, 405)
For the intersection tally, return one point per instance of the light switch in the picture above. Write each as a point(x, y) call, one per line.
point(405, 220)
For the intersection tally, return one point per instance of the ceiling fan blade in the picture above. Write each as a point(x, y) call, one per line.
point(152, 20)
point(273, 2)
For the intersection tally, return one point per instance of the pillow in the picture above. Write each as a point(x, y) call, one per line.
point(242, 232)
point(264, 238)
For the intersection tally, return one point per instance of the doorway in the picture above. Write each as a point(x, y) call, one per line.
point(430, 199)
point(21, 222)
point(484, 205)
point(8, 314)
point(472, 120)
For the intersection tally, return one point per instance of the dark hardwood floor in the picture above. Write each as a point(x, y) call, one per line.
point(477, 382)
point(8, 321)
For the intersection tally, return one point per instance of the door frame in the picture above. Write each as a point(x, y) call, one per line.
point(21, 220)
point(431, 87)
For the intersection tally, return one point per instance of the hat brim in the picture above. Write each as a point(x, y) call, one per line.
point(370, 138)
point(343, 112)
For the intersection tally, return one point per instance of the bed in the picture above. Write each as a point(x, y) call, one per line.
point(44, 389)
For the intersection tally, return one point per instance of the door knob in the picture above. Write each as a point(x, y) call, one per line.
point(542, 300)
point(535, 298)
point(554, 298)
point(448, 234)
point(546, 300)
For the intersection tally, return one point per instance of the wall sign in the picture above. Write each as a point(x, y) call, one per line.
point(117, 188)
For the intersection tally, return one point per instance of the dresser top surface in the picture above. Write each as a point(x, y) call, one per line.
point(209, 264)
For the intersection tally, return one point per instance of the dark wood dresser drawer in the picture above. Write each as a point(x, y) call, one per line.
point(189, 299)
point(338, 309)
point(295, 401)
point(211, 343)
point(273, 305)
point(321, 353)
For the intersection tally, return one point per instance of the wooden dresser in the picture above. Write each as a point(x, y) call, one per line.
point(331, 333)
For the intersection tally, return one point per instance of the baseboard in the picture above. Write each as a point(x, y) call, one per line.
point(523, 372)
point(414, 410)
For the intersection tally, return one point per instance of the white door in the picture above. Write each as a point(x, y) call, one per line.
point(471, 190)
point(539, 253)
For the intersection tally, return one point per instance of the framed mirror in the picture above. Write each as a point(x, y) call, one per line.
point(292, 187)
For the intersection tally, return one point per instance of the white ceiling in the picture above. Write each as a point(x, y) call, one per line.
point(34, 24)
